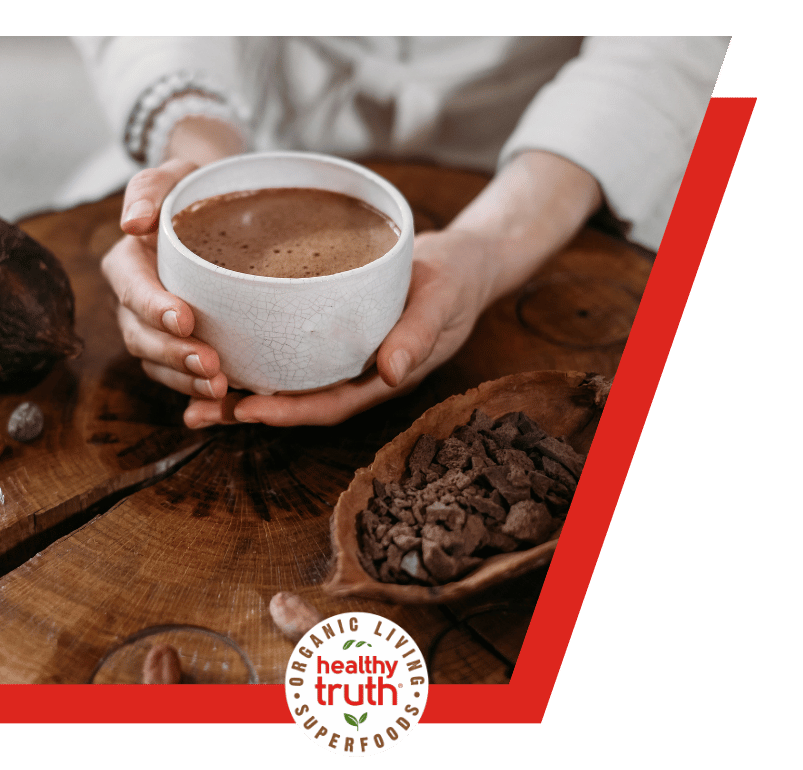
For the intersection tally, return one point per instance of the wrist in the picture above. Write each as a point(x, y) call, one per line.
point(202, 140)
point(465, 261)
point(534, 207)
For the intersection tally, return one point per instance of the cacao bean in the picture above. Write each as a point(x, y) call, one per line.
point(293, 616)
point(37, 309)
point(26, 422)
point(161, 666)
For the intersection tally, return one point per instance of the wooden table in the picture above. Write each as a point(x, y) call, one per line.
point(119, 519)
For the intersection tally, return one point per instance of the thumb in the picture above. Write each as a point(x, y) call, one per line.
point(411, 341)
point(147, 191)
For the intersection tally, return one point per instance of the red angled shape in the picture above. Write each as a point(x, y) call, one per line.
point(525, 699)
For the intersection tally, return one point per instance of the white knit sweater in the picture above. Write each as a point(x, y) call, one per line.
point(626, 109)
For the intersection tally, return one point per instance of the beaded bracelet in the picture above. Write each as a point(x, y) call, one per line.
point(164, 104)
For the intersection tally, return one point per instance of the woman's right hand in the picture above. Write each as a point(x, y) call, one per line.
point(156, 325)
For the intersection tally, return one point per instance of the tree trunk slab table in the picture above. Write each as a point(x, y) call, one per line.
point(119, 522)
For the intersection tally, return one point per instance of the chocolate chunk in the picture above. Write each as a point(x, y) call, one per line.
point(404, 515)
point(453, 454)
point(505, 431)
point(400, 529)
point(369, 521)
point(435, 532)
point(417, 480)
point(497, 477)
point(438, 469)
point(473, 536)
point(368, 564)
point(492, 448)
point(558, 471)
point(487, 507)
point(540, 484)
point(516, 458)
point(529, 522)
point(530, 434)
point(386, 574)
point(527, 426)
point(528, 442)
point(422, 454)
point(557, 504)
point(411, 564)
point(379, 490)
point(387, 538)
point(498, 542)
point(443, 567)
point(446, 539)
point(394, 557)
point(450, 479)
point(461, 481)
point(466, 434)
point(394, 490)
point(480, 421)
point(518, 477)
point(373, 548)
point(561, 452)
point(406, 542)
point(452, 515)
point(478, 463)
point(511, 418)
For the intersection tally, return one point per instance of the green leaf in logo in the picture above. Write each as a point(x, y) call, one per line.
point(360, 644)
point(352, 721)
point(362, 718)
point(348, 644)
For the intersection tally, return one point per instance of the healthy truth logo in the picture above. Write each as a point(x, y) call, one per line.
point(356, 683)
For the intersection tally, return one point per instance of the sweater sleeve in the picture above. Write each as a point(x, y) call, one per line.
point(155, 81)
point(628, 110)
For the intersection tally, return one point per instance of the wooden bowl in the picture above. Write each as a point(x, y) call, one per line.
point(565, 404)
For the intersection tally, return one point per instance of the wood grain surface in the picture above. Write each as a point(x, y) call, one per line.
point(118, 519)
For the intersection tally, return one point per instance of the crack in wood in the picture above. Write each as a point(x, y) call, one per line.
point(74, 513)
point(458, 624)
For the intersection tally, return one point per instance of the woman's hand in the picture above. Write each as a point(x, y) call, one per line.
point(156, 325)
point(448, 291)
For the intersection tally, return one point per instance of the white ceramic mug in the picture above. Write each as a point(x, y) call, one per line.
point(289, 334)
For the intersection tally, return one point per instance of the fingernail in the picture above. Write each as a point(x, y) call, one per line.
point(202, 425)
point(170, 321)
point(204, 387)
point(400, 364)
point(193, 363)
point(141, 209)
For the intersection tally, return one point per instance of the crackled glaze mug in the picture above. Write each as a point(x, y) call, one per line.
point(289, 334)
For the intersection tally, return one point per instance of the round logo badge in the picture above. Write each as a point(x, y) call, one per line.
point(356, 683)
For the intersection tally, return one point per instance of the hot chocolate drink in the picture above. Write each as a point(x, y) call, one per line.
point(285, 232)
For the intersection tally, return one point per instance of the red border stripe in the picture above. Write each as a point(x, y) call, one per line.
point(636, 381)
